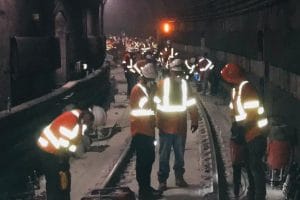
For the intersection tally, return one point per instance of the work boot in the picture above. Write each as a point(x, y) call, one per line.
point(236, 190)
point(180, 182)
point(162, 186)
point(156, 192)
point(149, 194)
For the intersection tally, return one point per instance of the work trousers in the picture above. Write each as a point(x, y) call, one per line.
point(131, 81)
point(253, 152)
point(166, 143)
point(54, 166)
point(256, 149)
point(145, 155)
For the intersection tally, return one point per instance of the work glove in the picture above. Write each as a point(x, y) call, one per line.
point(194, 128)
point(63, 180)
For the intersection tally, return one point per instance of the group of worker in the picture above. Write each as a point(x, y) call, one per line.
point(200, 69)
point(171, 101)
point(164, 102)
point(163, 105)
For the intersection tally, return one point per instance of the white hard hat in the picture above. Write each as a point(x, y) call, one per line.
point(148, 71)
point(176, 65)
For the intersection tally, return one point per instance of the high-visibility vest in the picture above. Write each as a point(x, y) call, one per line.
point(173, 99)
point(191, 67)
point(247, 108)
point(165, 104)
point(130, 66)
point(142, 115)
point(63, 134)
point(137, 67)
point(205, 64)
point(128, 62)
point(166, 54)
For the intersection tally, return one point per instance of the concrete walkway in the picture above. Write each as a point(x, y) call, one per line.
point(91, 169)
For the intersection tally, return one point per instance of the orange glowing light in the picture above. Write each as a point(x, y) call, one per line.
point(166, 27)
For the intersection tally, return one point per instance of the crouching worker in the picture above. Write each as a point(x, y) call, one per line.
point(142, 119)
point(58, 141)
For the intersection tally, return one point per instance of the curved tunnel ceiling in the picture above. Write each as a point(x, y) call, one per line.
point(140, 16)
point(198, 10)
point(133, 16)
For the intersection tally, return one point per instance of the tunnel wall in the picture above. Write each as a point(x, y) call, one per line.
point(278, 101)
point(21, 127)
point(266, 44)
point(16, 19)
point(35, 19)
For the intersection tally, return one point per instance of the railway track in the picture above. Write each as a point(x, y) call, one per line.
point(210, 180)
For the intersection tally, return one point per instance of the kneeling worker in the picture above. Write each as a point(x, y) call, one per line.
point(57, 141)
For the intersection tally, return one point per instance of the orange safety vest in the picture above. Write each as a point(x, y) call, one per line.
point(204, 67)
point(190, 67)
point(138, 66)
point(142, 117)
point(247, 110)
point(174, 99)
point(63, 134)
point(166, 53)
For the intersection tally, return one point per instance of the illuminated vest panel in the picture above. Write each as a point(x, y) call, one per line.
point(61, 133)
point(174, 100)
point(142, 111)
point(243, 108)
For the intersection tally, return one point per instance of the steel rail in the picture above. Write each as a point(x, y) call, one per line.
point(122, 162)
point(205, 116)
point(119, 166)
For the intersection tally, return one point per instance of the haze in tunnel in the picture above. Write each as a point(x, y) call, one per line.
point(134, 17)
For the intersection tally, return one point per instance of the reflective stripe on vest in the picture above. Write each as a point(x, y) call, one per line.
point(232, 97)
point(191, 68)
point(66, 135)
point(164, 104)
point(242, 115)
point(142, 102)
point(130, 64)
point(247, 105)
point(135, 67)
point(172, 53)
point(208, 66)
point(70, 134)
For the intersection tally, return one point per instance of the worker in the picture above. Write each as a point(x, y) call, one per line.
point(58, 141)
point(248, 128)
point(174, 98)
point(190, 66)
point(129, 59)
point(167, 54)
point(167, 51)
point(205, 66)
point(142, 119)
